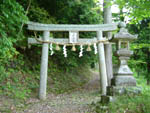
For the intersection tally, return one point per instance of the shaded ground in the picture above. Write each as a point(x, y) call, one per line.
point(75, 102)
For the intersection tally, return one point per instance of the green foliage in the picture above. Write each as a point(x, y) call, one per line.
point(137, 9)
point(38, 14)
point(134, 104)
point(18, 84)
point(73, 12)
point(11, 18)
point(140, 60)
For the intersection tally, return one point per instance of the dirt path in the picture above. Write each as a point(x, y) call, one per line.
point(75, 102)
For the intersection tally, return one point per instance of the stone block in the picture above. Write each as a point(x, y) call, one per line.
point(124, 81)
point(121, 90)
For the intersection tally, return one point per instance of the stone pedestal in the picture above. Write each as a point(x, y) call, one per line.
point(123, 76)
point(124, 81)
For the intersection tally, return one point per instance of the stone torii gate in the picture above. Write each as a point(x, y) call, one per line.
point(73, 40)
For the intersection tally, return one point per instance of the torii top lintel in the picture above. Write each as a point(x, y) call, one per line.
point(71, 27)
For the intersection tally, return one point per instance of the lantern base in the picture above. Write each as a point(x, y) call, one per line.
point(121, 90)
point(124, 81)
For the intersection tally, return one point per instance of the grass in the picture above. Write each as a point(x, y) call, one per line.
point(20, 86)
point(130, 103)
point(69, 81)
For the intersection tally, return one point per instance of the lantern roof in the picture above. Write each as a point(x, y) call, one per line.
point(123, 34)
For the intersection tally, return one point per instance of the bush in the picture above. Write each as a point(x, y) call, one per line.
point(11, 19)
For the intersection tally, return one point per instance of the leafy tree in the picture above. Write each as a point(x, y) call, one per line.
point(72, 12)
point(141, 47)
point(137, 9)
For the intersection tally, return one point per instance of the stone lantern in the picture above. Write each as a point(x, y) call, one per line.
point(123, 80)
point(123, 76)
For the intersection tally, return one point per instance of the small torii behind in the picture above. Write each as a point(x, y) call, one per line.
point(73, 40)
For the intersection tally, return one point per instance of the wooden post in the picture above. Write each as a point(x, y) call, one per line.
point(102, 65)
point(44, 66)
point(108, 47)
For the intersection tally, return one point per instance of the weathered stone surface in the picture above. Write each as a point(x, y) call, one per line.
point(122, 25)
point(62, 40)
point(124, 52)
point(124, 81)
point(123, 34)
point(102, 64)
point(123, 70)
point(44, 67)
point(123, 74)
point(120, 90)
point(134, 90)
point(71, 27)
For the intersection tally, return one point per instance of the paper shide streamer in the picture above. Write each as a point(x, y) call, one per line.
point(81, 51)
point(64, 51)
point(95, 48)
point(51, 49)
